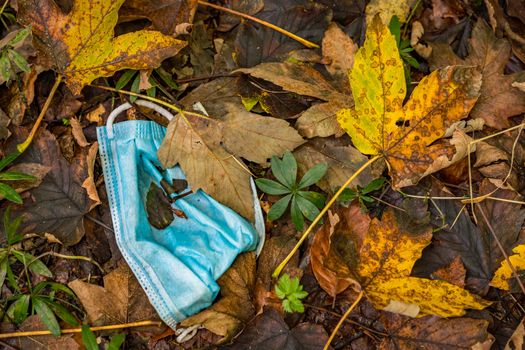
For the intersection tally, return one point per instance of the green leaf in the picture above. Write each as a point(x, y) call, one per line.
point(395, 29)
point(116, 341)
point(5, 67)
point(347, 195)
point(135, 87)
point(282, 287)
point(88, 338)
point(4, 262)
point(313, 175)
point(152, 91)
point(18, 60)
point(271, 187)
point(11, 278)
point(308, 209)
point(16, 176)
point(299, 294)
point(287, 307)
point(411, 60)
point(21, 309)
point(125, 79)
point(316, 198)
point(374, 185)
point(297, 216)
point(46, 316)
point(296, 305)
point(10, 194)
point(32, 263)
point(62, 313)
point(5, 161)
point(285, 170)
point(21, 35)
point(278, 208)
point(167, 78)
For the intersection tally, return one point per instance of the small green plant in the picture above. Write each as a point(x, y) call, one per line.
point(290, 291)
point(402, 44)
point(90, 340)
point(6, 190)
point(6, 15)
point(361, 193)
point(9, 56)
point(302, 203)
point(134, 76)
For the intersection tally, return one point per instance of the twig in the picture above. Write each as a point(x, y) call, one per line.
point(79, 330)
point(340, 323)
point(279, 268)
point(305, 42)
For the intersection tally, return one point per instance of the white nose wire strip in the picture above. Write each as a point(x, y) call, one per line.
point(124, 107)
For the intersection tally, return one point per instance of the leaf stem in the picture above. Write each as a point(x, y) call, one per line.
point(281, 266)
point(305, 42)
point(340, 323)
point(21, 147)
point(79, 330)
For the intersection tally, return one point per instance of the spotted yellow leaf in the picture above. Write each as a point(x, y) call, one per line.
point(81, 45)
point(504, 272)
point(380, 124)
point(386, 258)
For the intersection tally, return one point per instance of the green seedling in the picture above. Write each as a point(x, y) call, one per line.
point(90, 340)
point(9, 57)
point(290, 291)
point(362, 194)
point(302, 203)
point(6, 190)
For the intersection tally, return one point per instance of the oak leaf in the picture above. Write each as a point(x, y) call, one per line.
point(386, 257)
point(499, 99)
point(81, 46)
point(380, 124)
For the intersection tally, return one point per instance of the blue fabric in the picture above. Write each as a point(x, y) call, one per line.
point(179, 265)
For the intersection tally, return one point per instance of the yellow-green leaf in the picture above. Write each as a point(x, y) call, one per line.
point(504, 272)
point(81, 45)
point(379, 124)
point(386, 258)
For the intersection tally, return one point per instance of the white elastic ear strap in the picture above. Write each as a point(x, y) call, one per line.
point(124, 107)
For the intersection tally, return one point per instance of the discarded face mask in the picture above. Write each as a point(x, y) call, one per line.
point(177, 266)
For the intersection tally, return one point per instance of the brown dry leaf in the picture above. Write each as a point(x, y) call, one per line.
point(454, 273)
point(121, 300)
point(333, 250)
point(23, 95)
point(431, 333)
point(39, 171)
point(235, 307)
point(78, 133)
point(80, 45)
point(498, 99)
point(487, 154)
point(164, 15)
point(89, 182)
point(95, 115)
point(320, 119)
point(342, 160)
point(517, 340)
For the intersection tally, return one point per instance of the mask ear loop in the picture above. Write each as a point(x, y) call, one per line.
point(124, 107)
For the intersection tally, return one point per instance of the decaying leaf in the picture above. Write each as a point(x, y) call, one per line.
point(38, 171)
point(498, 98)
point(81, 46)
point(121, 299)
point(386, 259)
point(504, 273)
point(517, 341)
point(431, 333)
point(333, 248)
point(454, 273)
point(380, 124)
point(386, 9)
point(158, 207)
point(269, 331)
point(89, 183)
point(78, 133)
point(235, 306)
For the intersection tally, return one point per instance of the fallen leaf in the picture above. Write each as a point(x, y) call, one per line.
point(228, 21)
point(498, 99)
point(164, 15)
point(386, 9)
point(431, 333)
point(4, 123)
point(333, 248)
point(235, 307)
point(59, 204)
point(380, 124)
point(89, 183)
point(342, 160)
point(504, 273)
point(517, 340)
point(81, 46)
point(269, 331)
point(78, 133)
point(386, 259)
point(23, 95)
point(255, 43)
point(121, 300)
point(37, 170)
point(95, 115)
point(454, 273)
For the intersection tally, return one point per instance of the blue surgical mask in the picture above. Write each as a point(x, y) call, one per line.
point(176, 266)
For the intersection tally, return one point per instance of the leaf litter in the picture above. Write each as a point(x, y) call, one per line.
point(425, 261)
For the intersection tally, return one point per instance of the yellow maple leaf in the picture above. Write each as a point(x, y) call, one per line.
point(379, 124)
point(504, 272)
point(386, 258)
point(81, 45)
